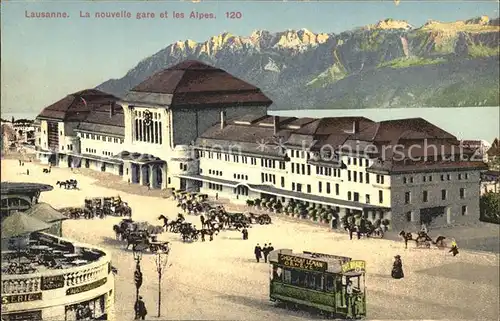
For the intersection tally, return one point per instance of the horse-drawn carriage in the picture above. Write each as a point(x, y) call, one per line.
point(68, 184)
point(102, 206)
point(423, 240)
point(258, 218)
point(140, 234)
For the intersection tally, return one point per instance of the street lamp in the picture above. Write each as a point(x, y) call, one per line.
point(161, 260)
point(137, 276)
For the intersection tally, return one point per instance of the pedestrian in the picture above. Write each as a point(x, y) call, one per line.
point(19, 162)
point(27, 171)
point(397, 268)
point(245, 233)
point(258, 252)
point(270, 247)
point(358, 232)
point(423, 229)
point(265, 250)
point(454, 248)
point(216, 196)
point(140, 309)
point(348, 294)
point(351, 230)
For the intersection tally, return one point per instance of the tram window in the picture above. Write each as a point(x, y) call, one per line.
point(287, 276)
point(299, 278)
point(277, 273)
point(330, 287)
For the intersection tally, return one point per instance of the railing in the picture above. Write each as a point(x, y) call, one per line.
point(32, 282)
point(28, 283)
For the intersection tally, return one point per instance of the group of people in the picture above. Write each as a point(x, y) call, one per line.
point(263, 251)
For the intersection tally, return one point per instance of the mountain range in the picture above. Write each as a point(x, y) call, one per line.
point(390, 64)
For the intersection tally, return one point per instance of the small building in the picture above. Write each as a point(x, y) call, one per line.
point(20, 196)
point(46, 213)
point(493, 153)
point(490, 182)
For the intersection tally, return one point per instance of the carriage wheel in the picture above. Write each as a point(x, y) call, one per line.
point(428, 245)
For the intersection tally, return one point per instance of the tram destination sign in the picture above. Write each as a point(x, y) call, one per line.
point(302, 263)
point(86, 287)
point(19, 298)
point(354, 266)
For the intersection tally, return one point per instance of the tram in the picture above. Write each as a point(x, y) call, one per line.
point(331, 284)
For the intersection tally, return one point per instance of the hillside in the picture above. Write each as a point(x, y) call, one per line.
point(389, 64)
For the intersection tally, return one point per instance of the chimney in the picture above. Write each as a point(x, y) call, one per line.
point(276, 124)
point(355, 126)
point(111, 109)
point(222, 119)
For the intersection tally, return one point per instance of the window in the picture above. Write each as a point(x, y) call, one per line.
point(380, 197)
point(293, 186)
point(337, 190)
point(366, 162)
point(425, 196)
point(430, 178)
point(356, 196)
point(282, 181)
point(462, 193)
point(367, 178)
point(448, 177)
point(181, 166)
point(349, 196)
point(355, 161)
point(308, 169)
point(442, 177)
point(360, 177)
point(319, 187)
point(381, 179)
point(349, 175)
point(459, 177)
point(348, 161)
point(411, 179)
point(443, 194)
point(407, 197)
point(355, 175)
point(408, 216)
point(303, 169)
point(309, 188)
point(405, 180)
point(464, 210)
point(378, 179)
point(367, 198)
point(299, 187)
point(466, 176)
point(424, 179)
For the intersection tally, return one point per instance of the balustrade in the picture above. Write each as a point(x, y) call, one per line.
point(76, 277)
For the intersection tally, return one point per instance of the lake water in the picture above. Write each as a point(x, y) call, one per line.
point(465, 122)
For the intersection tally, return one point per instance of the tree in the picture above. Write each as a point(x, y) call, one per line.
point(489, 207)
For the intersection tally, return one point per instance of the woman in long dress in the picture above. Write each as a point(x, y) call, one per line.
point(397, 268)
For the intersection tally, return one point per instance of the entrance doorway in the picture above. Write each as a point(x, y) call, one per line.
point(429, 215)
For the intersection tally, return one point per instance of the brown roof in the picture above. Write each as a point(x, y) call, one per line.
point(408, 138)
point(103, 120)
point(76, 106)
point(195, 83)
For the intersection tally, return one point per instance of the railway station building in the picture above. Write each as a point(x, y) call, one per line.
point(195, 127)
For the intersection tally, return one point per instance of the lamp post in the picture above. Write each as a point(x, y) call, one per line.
point(161, 264)
point(137, 276)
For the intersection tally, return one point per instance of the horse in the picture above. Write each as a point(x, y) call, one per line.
point(407, 236)
point(165, 220)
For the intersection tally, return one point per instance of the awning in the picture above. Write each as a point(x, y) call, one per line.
point(138, 158)
point(284, 193)
point(18, 224)
point(210, 180)
point(95, 157)
point(45, 213)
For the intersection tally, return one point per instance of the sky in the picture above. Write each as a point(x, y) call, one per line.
point(43, 60)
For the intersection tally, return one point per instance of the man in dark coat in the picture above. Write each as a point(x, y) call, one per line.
point(245, 233)
point(265, 250)
point(258, 252)
point(270, 247)
point(397, 268)
point(140, 309)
